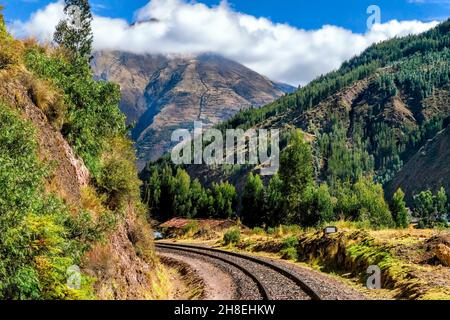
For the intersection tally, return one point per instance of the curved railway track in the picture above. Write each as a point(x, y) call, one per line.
point(272, 281)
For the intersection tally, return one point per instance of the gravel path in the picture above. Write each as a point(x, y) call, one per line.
point(326, 286)
point(275, 285)
point(216, 283)
point(217, 276)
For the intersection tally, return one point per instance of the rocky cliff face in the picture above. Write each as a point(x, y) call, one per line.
point(164, 93)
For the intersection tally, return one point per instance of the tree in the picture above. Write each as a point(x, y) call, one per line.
point(152, 194)
point(182, 205)
point(75, 32)
point(317, 207)
point(199, 199)
point(296, 172)
point(273, 202)
point(423, 208)
point(441, 205)
point(252, 201)
point(431, 209)
point(371, 206)
point(224, 195)
point(399, 210)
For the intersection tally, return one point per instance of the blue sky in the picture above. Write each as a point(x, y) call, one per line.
point(305, 14)
point(291, 41)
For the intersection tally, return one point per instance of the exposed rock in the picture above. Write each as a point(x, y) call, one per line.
point(443, 254)
point(124, 266)
point(69, 173)
point(164, 93)
point(117, 266)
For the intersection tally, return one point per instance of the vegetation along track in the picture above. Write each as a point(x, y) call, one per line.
point(273, 282)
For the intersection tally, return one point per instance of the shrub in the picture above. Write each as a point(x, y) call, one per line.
point(30, 219)
point(289, 248)
point(232, 237)
point(46, 98)
point(363, 202)
point(118, 176)
point(191, 228)
point(290, 242)
point(140, 234)
point(9, 53)
point(289, 253)
point(93, 114)
point(317, 206)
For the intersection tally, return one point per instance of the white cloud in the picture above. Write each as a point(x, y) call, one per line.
point(279, 51)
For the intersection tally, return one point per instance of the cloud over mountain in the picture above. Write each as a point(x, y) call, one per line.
point(279, 51)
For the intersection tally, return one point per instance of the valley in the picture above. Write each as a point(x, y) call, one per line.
point(93, 207)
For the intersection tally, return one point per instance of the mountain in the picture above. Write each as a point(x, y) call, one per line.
point(371, 116)
point(161, 93)
point(429, 168)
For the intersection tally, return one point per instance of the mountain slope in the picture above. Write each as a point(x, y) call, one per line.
point(429, 168)
point(69, 206)
point(164, 93)
point(370, 116)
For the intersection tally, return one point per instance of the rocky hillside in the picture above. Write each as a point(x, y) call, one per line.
point(428, 168)
point(163, 93)
point(69, 202)
point(371, 116)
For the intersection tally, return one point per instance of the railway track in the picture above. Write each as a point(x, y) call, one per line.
point(272, 282)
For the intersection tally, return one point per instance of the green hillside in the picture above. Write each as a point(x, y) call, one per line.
point(364, 122)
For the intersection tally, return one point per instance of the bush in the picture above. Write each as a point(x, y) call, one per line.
point(93, 114)
point(232, 237)
point(363, 202)
point(118, 176)
point(9, 53)
point(289, 253)
point(191, 228)
point(32, 220)
point(289, 249)
point(290, 242)
point(46, 98)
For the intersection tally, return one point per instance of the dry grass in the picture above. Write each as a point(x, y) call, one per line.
point(47, 98)
point(52, 187)
point(10, 51)
point(140, 235)
point(92, 202)
point(100, 260)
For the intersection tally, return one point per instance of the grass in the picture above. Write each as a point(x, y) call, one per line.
point(232, 237)
point(160, 284)
point(191, 229)
point(45, 96)
point(347, 255)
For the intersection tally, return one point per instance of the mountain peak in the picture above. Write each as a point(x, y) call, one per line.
point(161, 93)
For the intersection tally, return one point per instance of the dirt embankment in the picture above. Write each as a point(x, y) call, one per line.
point(409, 266)
point(68, 172)
point(123, 266)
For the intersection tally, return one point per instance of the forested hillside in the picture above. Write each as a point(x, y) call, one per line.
point(69, 189)
point(364, 122)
